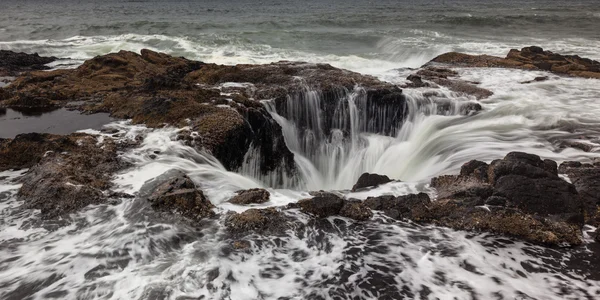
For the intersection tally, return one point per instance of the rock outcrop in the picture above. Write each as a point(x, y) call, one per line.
point(252, 196)
point(73, 171)
point(13, 63)
point(269, 221)
point(179, 194)
point(222, 104)
point(586, 179)
point(324, 204)
point(520, 195)
point(528, 58)
point(367, 180)
point(435, 76)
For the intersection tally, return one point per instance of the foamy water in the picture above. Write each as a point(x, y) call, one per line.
point(104, 252)
point(110, 252)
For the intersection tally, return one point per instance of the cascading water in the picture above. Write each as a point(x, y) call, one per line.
point(337, 137)
point(107, 253)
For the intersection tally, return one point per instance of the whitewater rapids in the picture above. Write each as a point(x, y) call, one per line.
point(104, 253)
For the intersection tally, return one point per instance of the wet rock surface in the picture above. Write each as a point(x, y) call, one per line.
point(325, 204)
point(367, 180)
point(219, 103)
point(252, 196)
point(264, 221)
point(586, 179)
point(438, 76)
point(179, 194)
point(519, 191)
point(528, 58)
point(68, 172)
point(13, 63)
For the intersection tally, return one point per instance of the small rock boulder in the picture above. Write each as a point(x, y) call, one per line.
point(586, 179)
point(265, 221)
point(322, 205)
point(356, 210)
point(367, 180)
point(252, 196)
point(179, 194)
point(399, 207)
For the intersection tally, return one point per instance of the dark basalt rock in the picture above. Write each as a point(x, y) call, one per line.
point(322, 205)
point(26, 150)
point(367, 180)
point(252, 196)
point(325, 204)
point(448, 78)
point(356, 210)
point(73, 172)
point(586, 179)
point(399, 207)
point(265, 221)
point(520, 190)
point(13, 63)
point(179, 194)
point(156, 89)
point(528, 58)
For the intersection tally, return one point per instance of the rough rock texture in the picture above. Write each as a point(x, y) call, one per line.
point(179, 194)
point(398, 207)
point(520, 195)
point(370, 180)
point(74, 172)
point(157, 89)
point(435, 76)
point(26, 150)
point(529, 58)
point(13, 63)
point(325, 204)
point(252, 196)
point(586, 179)
point(264, 221)
point(322, 205)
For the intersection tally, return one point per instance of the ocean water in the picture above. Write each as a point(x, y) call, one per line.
point(106, 252)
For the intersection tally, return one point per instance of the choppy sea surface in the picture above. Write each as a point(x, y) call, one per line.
point(105, 252)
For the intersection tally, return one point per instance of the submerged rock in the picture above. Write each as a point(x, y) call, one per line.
point(252, 196)
point(367, 180)
point(529, 58)
point(73, 171)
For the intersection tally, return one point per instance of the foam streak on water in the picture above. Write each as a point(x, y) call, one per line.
point(108, 252)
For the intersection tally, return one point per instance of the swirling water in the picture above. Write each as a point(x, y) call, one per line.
point(106, 252)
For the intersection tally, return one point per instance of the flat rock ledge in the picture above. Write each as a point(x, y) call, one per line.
point(528, 58)
point(66, 173)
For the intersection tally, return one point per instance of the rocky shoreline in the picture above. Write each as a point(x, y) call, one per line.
point(222, 109)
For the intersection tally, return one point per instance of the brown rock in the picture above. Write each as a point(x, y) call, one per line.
point(265, 221)
point(69, 177)
point(252, 196)
point(356, 210)
point(530, 58)
point(179, 194)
